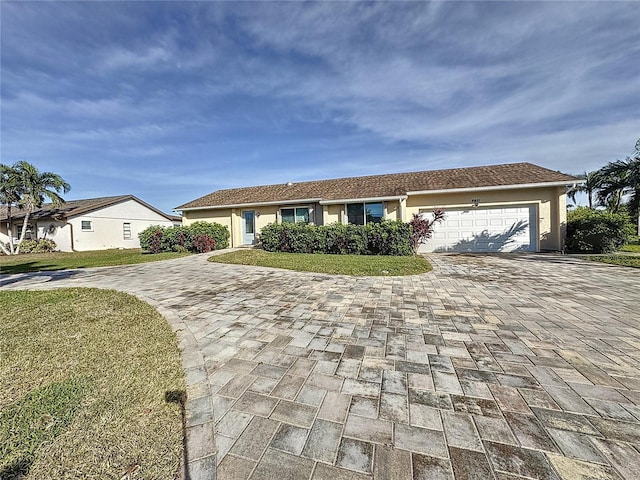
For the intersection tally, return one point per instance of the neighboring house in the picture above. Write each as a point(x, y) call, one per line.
point(512, 207)
point(91, 224)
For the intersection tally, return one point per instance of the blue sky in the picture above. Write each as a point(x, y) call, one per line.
point(172, 100)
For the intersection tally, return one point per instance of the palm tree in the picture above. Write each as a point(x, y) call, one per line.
point(612, 187)
point(590, 186)
point(36, 186)
point(622, 177)
point(10, 194)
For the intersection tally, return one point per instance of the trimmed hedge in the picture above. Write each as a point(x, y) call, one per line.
point(199, 237)
point(385, 238)
point(595, 231)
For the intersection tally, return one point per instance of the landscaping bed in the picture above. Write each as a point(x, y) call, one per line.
point(357, 265)
point(91, 386)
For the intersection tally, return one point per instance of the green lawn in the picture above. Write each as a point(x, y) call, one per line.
point(357, 265)
point(623, 260)
point(90, 384)
point(34, 262)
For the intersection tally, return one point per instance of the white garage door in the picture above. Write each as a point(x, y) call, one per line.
point(506, 229)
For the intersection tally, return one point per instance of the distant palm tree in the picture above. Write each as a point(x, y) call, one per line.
point(590, 186)
point(622, 177)
point(36, 186)
point(612, 188)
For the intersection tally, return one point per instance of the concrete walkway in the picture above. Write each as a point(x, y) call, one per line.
point(489, 367)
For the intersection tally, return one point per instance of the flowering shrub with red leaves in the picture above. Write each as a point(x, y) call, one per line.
point(422, 229)
point(203, 243)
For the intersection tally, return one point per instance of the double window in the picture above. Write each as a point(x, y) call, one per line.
point(295, 215)
point(363, 213)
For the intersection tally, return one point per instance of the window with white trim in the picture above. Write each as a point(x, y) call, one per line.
point(363, 213)
point(86, 226)
point(28, 233)
point(126, 231)
point(295, 215)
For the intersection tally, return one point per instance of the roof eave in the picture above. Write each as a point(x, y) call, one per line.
point(365, 199)
point(116, 201)
point(489, 188)
point(251, 204)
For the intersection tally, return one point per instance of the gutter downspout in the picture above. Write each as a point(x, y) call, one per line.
point(71, 227)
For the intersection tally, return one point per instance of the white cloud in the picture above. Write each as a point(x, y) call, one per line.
point(121, 58)
point(315, 90)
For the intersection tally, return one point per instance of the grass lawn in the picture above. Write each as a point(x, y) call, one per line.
point(623, 260)
point(357, 265)
point(631, 248)
point(34, 262)
point(89, 382)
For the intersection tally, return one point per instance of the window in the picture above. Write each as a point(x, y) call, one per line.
point(126, 231)
point(295, 215)
point(363, 213)
point(374, 212)
point(28, 233)
point(249, 226)
point(86, 225)
point(355, 213)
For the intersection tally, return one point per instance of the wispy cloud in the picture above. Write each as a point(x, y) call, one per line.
point(175, 99)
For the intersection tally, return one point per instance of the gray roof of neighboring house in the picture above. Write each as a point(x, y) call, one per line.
point(73, 208)
point(380, 186)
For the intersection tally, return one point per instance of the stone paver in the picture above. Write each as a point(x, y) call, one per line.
point(505, 367)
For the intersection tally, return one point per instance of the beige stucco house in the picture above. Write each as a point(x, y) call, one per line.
point(91, 224)
point(512, 207)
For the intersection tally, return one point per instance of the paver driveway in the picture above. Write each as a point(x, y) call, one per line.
point(487, 367)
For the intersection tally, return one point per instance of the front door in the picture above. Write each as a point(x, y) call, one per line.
point(248, 227)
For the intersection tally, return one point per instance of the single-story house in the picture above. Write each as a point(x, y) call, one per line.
point(91, 224)
point(511, 207)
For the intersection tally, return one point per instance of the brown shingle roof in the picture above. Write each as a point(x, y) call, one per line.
point(73, 208)
point(379, 186)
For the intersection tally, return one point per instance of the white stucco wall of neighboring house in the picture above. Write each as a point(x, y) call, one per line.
point(59, 232)
point(107, 226)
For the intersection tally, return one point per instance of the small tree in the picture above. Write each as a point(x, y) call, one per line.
point(10, 194)
point(22, 185)
point(422, 229)
point(36, 186)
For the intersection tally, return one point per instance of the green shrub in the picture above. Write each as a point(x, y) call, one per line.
point(156, 239)
point(148, 234)
point(44, 245)
point(594, 231)
point(389, 238)
point(156, 245)
point(27, 246)
point(217, 232)
point(177, 236)
point(385, 238)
